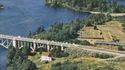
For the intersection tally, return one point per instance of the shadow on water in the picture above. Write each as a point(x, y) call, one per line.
point(3, 58)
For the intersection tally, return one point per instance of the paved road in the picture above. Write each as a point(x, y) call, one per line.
point(90, 48)
point(100, 50)
point(112, 14)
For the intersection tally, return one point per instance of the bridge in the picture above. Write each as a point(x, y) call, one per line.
point(19, 42)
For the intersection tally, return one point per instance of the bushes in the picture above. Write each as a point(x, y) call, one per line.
point(105, 68)
point(117, 59)
point(121, 48)
point(123, 25)
point(56, 52)
point(84, 65)
point(67, 65)
point(78, 52)
point(80, 42)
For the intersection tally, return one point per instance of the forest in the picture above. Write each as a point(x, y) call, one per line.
point(88, 5)
point(18, 59)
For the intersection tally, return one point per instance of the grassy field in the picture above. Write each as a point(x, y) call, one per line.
point(83, 63)
point(112, 29)
point(108, 32)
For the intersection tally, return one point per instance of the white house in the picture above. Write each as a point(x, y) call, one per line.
point(45, 57)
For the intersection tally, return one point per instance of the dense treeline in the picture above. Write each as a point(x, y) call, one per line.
point(68, 32)
point(99, 19)
point(18, 59)
point(88, 5)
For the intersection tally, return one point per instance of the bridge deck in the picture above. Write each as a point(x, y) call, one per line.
point(33, 40)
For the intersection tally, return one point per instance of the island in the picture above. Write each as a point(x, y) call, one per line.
point(1, 6)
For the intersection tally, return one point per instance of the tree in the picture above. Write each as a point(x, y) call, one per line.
point(40, 29)
point(11, 54)
point(18, 60)
point(56, 52)
point(28, 65)
point(25, 50)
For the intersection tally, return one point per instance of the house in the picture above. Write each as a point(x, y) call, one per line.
point(45, 57)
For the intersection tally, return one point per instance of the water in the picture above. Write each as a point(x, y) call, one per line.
point(3, 59)
point(22, 16)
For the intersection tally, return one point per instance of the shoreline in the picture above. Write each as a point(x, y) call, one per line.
point(90, 12)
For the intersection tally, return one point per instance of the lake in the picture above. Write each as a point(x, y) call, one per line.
point(21, 16)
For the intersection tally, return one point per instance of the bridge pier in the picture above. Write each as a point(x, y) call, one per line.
point(34, 46)
point(48, 47)
point(14, 43)
point(62, 48)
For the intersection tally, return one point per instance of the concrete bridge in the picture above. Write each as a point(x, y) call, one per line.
point(19, 42)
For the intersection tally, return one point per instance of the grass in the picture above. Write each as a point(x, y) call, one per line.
point(112, 30)
point(108, 31)
point(81, 62)
point(114, 48)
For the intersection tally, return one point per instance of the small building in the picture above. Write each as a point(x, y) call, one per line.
point(45, 57)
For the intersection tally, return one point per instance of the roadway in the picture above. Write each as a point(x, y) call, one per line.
point(112, 14)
